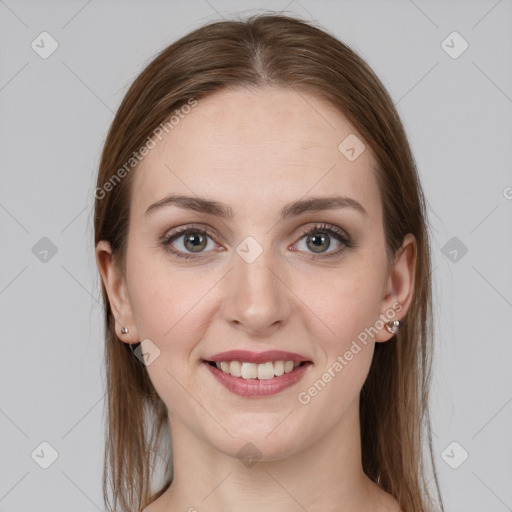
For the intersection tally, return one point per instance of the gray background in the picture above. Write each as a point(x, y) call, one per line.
point(55, 113)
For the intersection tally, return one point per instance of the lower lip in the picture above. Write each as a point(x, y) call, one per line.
point(257, 387)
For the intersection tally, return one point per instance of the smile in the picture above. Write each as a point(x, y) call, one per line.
point(257, 380)
point(263, 371)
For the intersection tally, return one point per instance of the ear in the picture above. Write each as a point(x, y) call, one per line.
point(115, 284)
point(399, 287)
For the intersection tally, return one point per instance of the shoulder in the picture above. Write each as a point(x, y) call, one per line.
point(390, 504)
point(385, 502)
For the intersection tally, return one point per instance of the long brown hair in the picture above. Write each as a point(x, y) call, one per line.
point(273, 51)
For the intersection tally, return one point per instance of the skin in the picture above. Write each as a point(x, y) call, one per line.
point(256, 150)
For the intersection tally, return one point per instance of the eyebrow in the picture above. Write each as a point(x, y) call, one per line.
point(295, 208)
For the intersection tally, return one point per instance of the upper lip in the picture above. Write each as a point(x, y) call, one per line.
point(256, 357)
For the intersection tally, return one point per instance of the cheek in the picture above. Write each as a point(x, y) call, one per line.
point(348, 305)
point(169, 307)
point(348, 348)
point(348, 302)
point(170, 304)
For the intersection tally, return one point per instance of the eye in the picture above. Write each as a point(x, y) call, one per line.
point(183, 242)
point(318, 240)
point(187, 241)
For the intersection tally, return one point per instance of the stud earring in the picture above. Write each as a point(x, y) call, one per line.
point(392, 327)
point(125, 330)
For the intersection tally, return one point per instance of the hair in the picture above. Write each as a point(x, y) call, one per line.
point(281, 52)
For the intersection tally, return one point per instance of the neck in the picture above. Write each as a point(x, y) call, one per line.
point(326, 475)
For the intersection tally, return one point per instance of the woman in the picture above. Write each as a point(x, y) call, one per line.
point(261, 237)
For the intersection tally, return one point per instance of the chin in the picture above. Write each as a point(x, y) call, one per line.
point(260, 439)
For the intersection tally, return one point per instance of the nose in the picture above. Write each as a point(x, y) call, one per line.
point(256, 296)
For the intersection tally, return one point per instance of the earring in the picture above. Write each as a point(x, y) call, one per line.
point(125, 330)
point(392, 327)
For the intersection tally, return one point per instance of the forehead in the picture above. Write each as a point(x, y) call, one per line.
point(266, 146)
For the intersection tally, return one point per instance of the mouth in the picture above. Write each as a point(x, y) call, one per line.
point(257, 380)
point(257, 371)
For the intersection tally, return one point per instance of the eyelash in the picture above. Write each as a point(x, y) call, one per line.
point(328, 229)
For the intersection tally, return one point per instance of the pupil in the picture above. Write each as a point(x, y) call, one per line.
point(322, 240)
point(197, 241)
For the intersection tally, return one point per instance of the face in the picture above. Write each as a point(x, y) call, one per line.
point(308, 280)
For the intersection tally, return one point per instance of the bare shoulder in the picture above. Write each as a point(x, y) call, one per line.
point(150, 508)
point(385, 502)
point(389, 504)
point(161, 504)
point(393, 505)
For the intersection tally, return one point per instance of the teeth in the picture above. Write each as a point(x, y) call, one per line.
point(278, 368)
point(235, 368)
point(261, 371)
point(249, 370)
point(266, 371)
